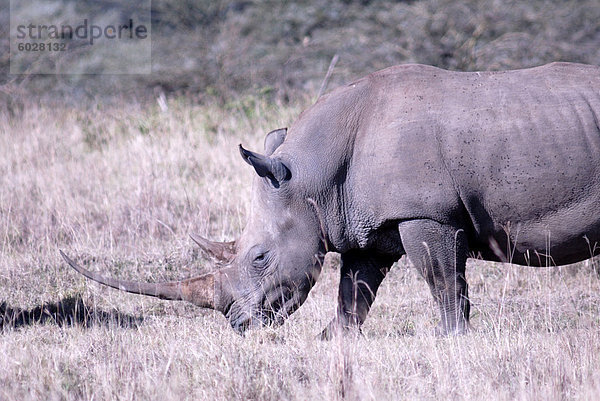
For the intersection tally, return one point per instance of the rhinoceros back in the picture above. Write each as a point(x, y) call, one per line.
point(494, 152)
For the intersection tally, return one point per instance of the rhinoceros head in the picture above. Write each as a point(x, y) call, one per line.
point(279, 254)
point(267, 272)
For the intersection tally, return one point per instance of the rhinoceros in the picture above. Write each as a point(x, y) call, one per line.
point(411, 160)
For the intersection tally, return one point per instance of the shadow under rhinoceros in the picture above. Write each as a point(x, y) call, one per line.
point(69, 311)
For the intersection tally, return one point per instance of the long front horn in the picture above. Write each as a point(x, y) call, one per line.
point(222, 251)
point(200, 291)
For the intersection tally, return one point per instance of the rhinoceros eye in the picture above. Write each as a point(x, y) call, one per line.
point(260, 257)
point(260, 260)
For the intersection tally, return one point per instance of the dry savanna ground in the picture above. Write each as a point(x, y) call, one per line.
point(120, 188)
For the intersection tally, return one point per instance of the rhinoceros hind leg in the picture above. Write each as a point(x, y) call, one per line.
point(439, 252)
point(361, 274)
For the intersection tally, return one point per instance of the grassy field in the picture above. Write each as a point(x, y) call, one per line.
point(120, 189)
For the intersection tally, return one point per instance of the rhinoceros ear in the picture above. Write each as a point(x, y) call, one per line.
point(274, 139)
point(268, 167)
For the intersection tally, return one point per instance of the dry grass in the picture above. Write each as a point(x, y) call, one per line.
point(121, 188)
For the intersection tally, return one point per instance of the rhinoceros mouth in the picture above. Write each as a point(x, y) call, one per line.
point(275, 307)
point(279, 305)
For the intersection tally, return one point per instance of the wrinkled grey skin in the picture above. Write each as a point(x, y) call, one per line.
point(415, 161)
point(433, 164)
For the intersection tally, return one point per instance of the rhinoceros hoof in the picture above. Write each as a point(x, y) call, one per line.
point(444, 331)
point(335, 329)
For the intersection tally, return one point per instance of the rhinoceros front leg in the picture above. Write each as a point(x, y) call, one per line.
point(361, 274)
point(439, 252)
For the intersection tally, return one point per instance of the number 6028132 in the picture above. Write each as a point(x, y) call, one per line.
point(41, 47)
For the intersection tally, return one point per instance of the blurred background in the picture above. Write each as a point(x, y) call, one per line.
point(221, 50)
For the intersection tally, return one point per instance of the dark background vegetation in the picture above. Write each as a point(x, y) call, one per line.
point(223, 49)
